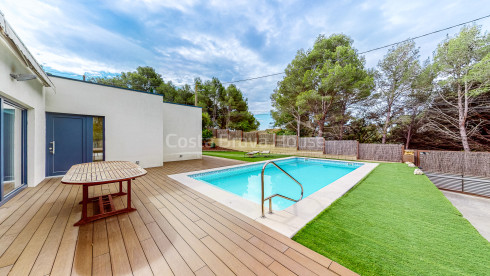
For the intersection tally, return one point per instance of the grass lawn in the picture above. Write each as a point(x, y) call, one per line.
point(397, 223)
point(240, 155)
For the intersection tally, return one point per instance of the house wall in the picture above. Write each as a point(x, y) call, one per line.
point(31, 95)
point(182, 132)
point(133, 120)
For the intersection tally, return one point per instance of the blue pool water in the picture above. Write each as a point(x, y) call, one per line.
point(244, 181)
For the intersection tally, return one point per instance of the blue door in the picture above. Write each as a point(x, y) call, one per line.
point(68, 142)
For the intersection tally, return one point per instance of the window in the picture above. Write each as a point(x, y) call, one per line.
point(13, 150)
point(98, 139)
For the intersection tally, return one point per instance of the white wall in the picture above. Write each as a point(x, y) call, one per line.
point(133, 120)
point(29, 94)
point(182, 131)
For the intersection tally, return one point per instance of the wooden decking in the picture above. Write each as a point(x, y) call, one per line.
point(175, 230)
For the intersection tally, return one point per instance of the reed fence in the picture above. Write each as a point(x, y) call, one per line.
point(311, 143)
point(235, 135)
point(250, 136)
point(455, 162)
point(286, 141)
point(222, 133)
point(381, 152)
point(266, 139)
point(341, 147)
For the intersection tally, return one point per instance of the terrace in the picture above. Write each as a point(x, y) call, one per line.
point(175, 230)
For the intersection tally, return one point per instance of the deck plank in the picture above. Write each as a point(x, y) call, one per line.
point(175, 231)
point(46, 257)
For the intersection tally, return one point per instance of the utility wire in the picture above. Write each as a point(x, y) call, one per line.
point(374, 49)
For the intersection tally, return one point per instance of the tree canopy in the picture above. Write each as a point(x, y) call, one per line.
point(223, 107)
point(441, 103)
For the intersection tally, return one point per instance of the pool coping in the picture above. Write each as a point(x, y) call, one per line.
point(290, 220)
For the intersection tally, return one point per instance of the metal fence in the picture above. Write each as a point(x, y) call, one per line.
point(457, 171)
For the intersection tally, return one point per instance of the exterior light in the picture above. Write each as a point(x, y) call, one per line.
point(23, 77)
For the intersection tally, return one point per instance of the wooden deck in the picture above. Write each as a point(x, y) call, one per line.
point(175, 231)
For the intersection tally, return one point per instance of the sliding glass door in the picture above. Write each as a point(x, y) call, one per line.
point(13, 124)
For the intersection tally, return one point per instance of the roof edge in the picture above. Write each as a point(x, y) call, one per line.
point(18, 46)
point(122, 88)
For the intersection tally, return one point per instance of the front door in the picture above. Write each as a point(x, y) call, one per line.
point(68, 142)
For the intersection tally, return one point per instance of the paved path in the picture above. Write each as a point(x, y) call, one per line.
point(475, 209)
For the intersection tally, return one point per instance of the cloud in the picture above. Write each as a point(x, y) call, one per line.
point(231, 40)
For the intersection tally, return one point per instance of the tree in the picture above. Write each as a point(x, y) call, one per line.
point(463, 64)
point(361, 130)
point(235, 111)
point(143, 79)
point(396, 72)
point(336, 75)
point(284, 99)
point(416, 102)
point(328, 75)
point(222, 107)
point(227, 108)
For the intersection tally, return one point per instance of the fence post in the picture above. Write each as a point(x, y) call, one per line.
point(274, 137)
point(357, 150)
point(403, 152)
point(228, 133)
point(257, 137)
point(324, 149)
point(242, 136)
point(297, 142)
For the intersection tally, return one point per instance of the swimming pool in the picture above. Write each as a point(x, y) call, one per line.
point(245, 181)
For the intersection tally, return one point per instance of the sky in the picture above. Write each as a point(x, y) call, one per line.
point(231, 40)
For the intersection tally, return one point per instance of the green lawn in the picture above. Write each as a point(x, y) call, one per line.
point(239, 155)
point(397, 223)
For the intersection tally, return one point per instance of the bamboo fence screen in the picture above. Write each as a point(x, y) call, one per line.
point(456, 162)
point(381, 152)
point(341, 147)
point(286, 141)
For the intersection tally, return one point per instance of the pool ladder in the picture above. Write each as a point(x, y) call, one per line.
point(274, 195)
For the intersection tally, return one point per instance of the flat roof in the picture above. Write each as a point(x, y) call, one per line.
point(122, 88)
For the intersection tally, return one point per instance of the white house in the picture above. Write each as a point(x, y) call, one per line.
point(49, 123)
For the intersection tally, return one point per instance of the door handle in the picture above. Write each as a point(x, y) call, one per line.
point(53, 147)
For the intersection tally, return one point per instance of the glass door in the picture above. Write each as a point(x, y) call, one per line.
point(13, 149)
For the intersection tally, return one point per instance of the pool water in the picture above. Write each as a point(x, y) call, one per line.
point(244, 181)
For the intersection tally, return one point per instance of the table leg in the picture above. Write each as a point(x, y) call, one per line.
point(84, 206)
point(129, 194)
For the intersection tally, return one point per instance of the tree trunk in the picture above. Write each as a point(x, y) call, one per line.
point(341, 132)
point(321, 126)
point(409, 135)
point(385, 127)
point(463, 113)
point(298, 126)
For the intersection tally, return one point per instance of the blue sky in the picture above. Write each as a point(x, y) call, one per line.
point(231, 40)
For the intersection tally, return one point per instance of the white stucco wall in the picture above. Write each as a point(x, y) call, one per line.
point(182, 131)
point(31, 95)
point(133, 120)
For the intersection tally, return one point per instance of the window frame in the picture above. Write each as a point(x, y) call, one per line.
point(5, 198)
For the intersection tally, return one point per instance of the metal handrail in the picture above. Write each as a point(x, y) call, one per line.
point(274, 195)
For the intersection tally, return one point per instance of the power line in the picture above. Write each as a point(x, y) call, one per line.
point(375, 49)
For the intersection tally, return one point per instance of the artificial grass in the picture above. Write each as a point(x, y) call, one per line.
point(397, 223)
point(240, 155)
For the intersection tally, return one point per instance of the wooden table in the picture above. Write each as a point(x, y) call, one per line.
point(98, 173)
